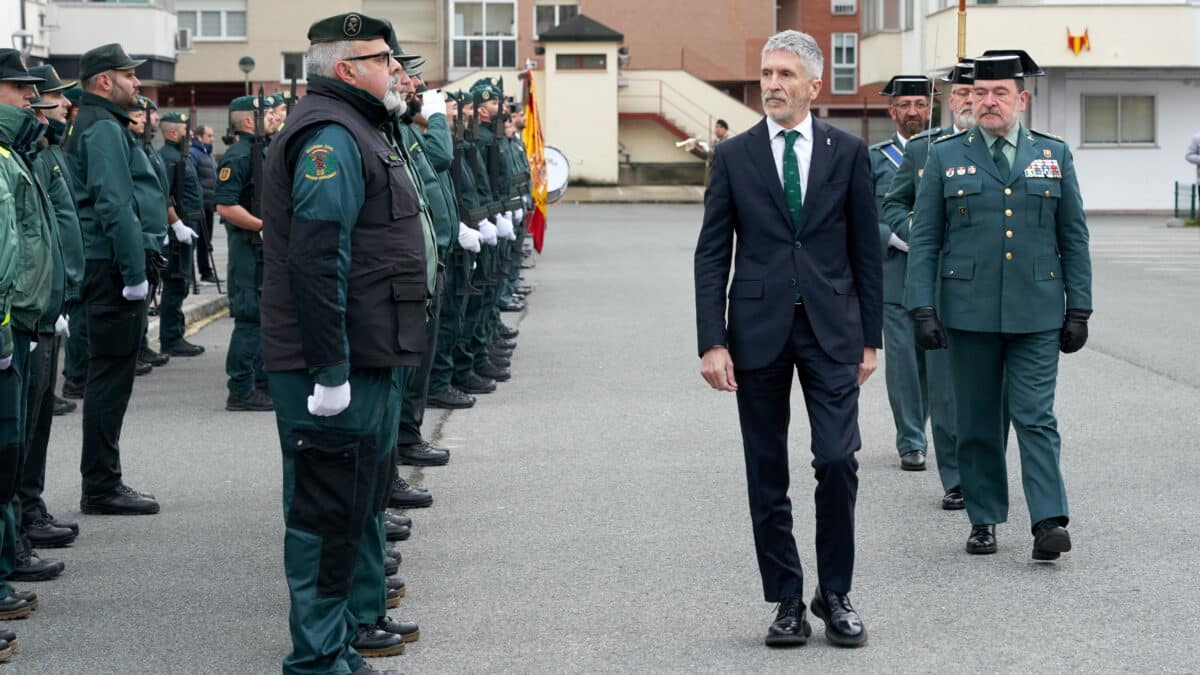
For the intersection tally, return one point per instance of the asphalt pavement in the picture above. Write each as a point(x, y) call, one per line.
point(594, 519)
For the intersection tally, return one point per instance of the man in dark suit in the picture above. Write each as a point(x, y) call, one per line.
point(807, 294)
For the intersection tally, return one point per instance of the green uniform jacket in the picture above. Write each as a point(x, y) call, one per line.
point(439, 148)
point(485, 192)
point(191, 210)
point(50, 170)
point(58, 281)
point(150, 193)
point(440, 213)
point(1012, 248)
point(100, 162)
point(25, 290)
point(520, 161)
point(902, 194)
point(234, 184)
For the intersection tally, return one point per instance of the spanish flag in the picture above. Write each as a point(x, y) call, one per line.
point(534, 144)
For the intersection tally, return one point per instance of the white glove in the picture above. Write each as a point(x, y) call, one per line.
point(487, 232)
point(138, 292)
point(518, 216)
point(6, 362)
point(897, 243)
point(468, 239)
point(166, 240)
point(329, 401)
point(32, 346)
point(504, 227)
point(183, 233)
point(62, 326)
point(433, 103)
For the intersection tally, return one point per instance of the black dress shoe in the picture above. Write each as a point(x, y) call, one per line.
point(43, 533)
point(508, 333)
point(142, 368)
point(72, 388)
point(843, 627)
point(366, 669)
point(501, 362)
point(450, 398)
point(370, 642)
point(422, 454)
point(30, 567)
point(405, 496)
point(493, 373)
point(525, 289)
point(913, 461)
point(397, 518)
point(474, 384)
point(405, 629)
point(397, 584)
point(982, 540)
point(507, 345)
point(12, 607)
point(791, 627)
point(393, 532)
point(495, 355)
point(8, 636)
point(253, 401)
point(123, 501)
point(27, 596)
point(1050, 540)
point(69, 524)
point(152, 357)
point(63, 406)
point(513, 306)
point(393, 553)
point(953, 500)
point(393, 599)
point(184, 348)
point(390, 566)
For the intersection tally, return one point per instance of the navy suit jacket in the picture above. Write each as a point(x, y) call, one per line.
point(831, 257)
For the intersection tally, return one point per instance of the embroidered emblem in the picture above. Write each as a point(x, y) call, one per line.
point(225, 173)
point(962, 171)
point(319, 163)
point(352, 26)
point(950, 172)
point(971, 170)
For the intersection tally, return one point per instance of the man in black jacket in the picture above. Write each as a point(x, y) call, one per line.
point(206, 171)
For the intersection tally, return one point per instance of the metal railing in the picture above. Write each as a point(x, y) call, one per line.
point(1187, 197)
point(670, 104)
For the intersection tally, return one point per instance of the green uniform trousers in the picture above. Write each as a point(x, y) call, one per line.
point(412, 406)
point(942, 417)
point(984, 365)
point(450, 318)
point(243, 363)
point(176, 284)
point(39, 415)
point(471, 351)
point(76, 357)
point(13, 390)
point(335, 478)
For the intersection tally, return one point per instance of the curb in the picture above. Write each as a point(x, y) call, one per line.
point(192, 315)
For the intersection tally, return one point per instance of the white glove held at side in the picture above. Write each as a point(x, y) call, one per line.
point(468, 239)
point(182, 232)
point(519, 216)
point(487, 232)
point(897, 243)
point(504, 227)
point(138, 292)
point(329, 401)
point(62, 326)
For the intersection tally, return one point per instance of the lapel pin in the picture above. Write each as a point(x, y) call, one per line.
point(828, 141)
point(949, 173)
point(962, 171)
point(971, 170)
point(1046, 153)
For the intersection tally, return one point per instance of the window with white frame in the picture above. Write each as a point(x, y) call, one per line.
point(548, 15)
point(1118, 120)
point(484, 34)
point(843, 68)
point(844, 7)
point(293, 66)
point(213, 19)
point(882, 16)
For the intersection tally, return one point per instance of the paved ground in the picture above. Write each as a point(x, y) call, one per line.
point(594, 518)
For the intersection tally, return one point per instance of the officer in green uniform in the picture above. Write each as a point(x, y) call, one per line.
point(75, 355)
point(519, 175)
point(344, 307)
point(111, 179)
point(188, 209)
point(909, 107)
point(145, 115)
point(896, 214)
point(234, 197)
point(1000, 205)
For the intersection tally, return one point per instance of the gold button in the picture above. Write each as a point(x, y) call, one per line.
point(1008, 234)
point(1007, 191)
point(1008, 212)
point(960, 193)
point(1008, 256)
point(1047, 193)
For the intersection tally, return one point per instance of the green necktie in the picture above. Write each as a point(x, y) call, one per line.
point(998, 157)
point(791, 176)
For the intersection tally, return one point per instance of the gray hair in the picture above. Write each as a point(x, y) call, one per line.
point(323, 56)
point(800, 44)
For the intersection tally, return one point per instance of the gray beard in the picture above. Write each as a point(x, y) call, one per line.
point(394, 102)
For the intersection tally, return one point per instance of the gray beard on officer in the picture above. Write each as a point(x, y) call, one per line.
point(393, 100)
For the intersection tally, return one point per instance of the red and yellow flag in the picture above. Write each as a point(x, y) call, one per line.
point(534, 150)
point(1078, 43)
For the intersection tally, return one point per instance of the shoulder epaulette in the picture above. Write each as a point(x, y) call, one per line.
point(1046, 134)
point(926, 134)
point(939, 139)
point(881, 144)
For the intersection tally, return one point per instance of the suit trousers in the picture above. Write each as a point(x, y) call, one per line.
point(985, 365)
point(764, 410)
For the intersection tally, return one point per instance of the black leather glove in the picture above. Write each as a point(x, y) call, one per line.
point(155, 264)
point(928, 329)
point(1074, 332)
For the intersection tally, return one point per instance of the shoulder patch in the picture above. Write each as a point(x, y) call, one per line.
point(225, 173)
point(319, 163)
point(1048, 135)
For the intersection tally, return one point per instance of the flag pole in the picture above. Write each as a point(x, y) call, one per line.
point(962, 29)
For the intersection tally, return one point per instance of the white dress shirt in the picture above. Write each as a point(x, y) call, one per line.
point(803, 148)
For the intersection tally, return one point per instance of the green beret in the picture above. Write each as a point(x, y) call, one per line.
point(270, 101)
point(486, 89)
point(250, 103)
point(147, 104)
point(106, 57)
point(175, 117)
point(350, 26)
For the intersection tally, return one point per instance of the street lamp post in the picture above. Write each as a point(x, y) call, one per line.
point(246, 65)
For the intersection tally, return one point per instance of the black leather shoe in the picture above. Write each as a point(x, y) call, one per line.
point(32, 568)
point(501, 343)
point(184, 348)
point(953, 500)
point(397, 518)
point(142, 368)
point(124, 501)
point(12, 607)
point(514, 306)
point(450, 398)
point(525, 289)
point(1050, 540)
point(366, 669)
point(501, 362)
point(72, 388)
point(405, 496)
point(913, 461)
point(843, 627)
point(397, 584)
point(405, 629)
point(982, 540)
point(8, 636)
point(495, 355)
point(393, 599)
point(370, 642)
point(392, 553)
point(791, 627)
point(45, 534)
point(393, 532)
point(493, 373)
point(253, 401)
point(27, 596)
point(508, 333)
point(69, 524)
point(63, 406)
point(390, 566)
point(422, 454)
point(474, 384)
point(152, 357)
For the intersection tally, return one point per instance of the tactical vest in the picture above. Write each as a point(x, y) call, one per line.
point(386, 297)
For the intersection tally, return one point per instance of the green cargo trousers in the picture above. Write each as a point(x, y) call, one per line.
point(13, 390)
point(243, 363)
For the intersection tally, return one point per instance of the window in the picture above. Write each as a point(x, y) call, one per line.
point(845, 6)
point(213, 19)
point(293, 66)
point(485, 34)
point(1118, 120)
point(548, 16)
point(582, 62)
point(880, 16)
point(844, 66)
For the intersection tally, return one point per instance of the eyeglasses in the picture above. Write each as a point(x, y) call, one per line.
point(385, 57)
